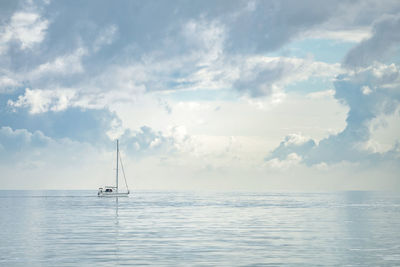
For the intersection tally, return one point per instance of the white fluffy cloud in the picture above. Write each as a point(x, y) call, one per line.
point(26, 28)
point(384, 133)
point(38, 101)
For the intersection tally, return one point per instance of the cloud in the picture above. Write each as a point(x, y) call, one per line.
point(59, 99)
point(18, 140)
point(165, 105)
point(146, 141)
point(105, 37)
point(26, 28)
point(294, 143)
point(21, 148)
point(33, 160)
point(39, 101)
point(383, 98)
point(347, 35)
point(384, 133)
point(322, 94)
point(267, 26)
point(255, 76)
point(195, 64)
point(249, 27)
point(93, 85)
point(204, 36)
point(8, 83)
point(44, 111)
point(262, 76)
point(62, 65)
point(382, 44)
point(106, 58)
point(190, 48)
point(291, 160)
point(351, 21)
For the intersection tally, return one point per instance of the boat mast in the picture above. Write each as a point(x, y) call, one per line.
point(117, 168)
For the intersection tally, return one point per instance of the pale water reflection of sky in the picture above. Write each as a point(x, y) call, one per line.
point(64, 228)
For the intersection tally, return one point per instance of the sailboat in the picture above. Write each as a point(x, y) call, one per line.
point(113, 191)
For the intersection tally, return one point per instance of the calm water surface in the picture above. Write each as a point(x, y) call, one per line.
point(71, 228)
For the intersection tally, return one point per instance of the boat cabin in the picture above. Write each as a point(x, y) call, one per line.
point(107, 189)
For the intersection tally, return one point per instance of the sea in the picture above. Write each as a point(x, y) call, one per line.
point(153, 228)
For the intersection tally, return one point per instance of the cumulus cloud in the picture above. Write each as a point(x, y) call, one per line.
point(382, 98)
point(39, 101)
point(59, 99)
point(74, 123)
point(26, 28)
point(21, 148)
point(384, 133)
point(17, 140)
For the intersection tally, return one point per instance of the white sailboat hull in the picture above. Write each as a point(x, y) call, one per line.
point(112, 194)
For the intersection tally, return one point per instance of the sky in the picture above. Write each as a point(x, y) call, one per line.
point(202, 95)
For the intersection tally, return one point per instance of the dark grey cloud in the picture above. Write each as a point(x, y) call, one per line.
point(383, 44)
point(268, 25)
